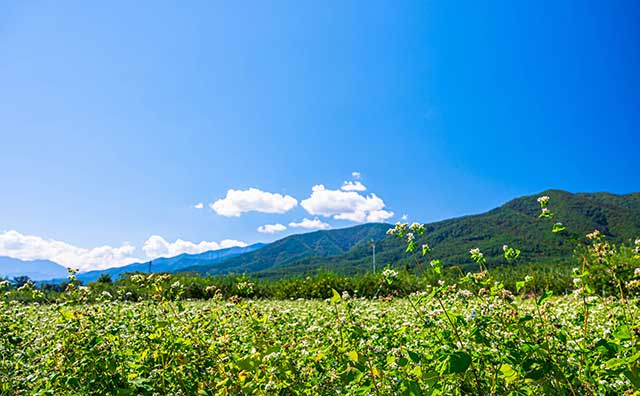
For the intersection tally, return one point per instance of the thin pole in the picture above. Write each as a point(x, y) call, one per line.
point(374, 258)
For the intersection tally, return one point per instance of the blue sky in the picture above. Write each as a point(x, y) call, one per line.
point(117, 118)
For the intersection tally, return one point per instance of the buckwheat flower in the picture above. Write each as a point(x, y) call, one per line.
point(505, 247)
point(410, 236)
point(389, 273)
point(636, 272)
point(545, 210)
point(440, 282)
point(543, 199)
point(576, 281)
point(474, 251)
point(593, 235)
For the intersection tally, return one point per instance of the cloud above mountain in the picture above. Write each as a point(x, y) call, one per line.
point(345, 205)
point(156, 246)
point(315, 224)
point(252, 200)
point(29, 247)
point(271, 228)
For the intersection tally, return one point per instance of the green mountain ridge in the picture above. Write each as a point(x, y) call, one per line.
point(515, 223)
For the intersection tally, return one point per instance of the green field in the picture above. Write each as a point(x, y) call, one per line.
point(348, 346)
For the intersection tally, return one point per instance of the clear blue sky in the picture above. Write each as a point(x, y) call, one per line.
point(116, 118)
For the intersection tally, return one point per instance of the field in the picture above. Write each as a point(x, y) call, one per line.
point(442, 335)
point(344, 346)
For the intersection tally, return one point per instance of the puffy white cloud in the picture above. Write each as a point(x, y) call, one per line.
point(355, 175)
point(353, 186)
point(315, 224)
point(271, 228)
point(29, 247)
point(345, 205)
point(404, 217)
point(239, 201)
point(156, 246)
point(199, 205)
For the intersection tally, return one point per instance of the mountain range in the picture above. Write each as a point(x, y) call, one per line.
point(515, 223)
point(349, 250)
point(34, 269)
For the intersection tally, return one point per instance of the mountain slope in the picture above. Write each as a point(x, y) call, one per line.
point(297, 247)
point(171, 264)
point(35, 270)
point(515, 223)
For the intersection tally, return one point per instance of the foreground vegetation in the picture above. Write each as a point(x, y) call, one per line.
point(441, 331)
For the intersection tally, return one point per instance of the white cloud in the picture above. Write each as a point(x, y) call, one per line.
point(355, 175)
point(28, 247)
point(239, 201)
point(404, 217)
point(199, 205)
point(353, 186)
point(271, 228)
point(345, 205)
point(156, 246)
point(315, 224)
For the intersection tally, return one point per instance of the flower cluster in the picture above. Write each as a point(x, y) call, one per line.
point(595, 235)
point(390, 274)
point(510, 254)
point(477, 256)
point(544, 202)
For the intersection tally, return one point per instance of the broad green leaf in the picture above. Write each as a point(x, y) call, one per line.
point(458, 362)
point(335, 298)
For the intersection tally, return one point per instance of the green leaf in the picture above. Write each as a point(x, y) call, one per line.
point(557, 227)
point(458, 362)
point(519, 286)
point(545, 296)
point(335, 298)
point(414, 356)
point(622, 333)
point(508, 373)
point(437, 266)
point(353, 356)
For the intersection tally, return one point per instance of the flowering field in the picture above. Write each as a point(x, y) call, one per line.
point(479, 345)
point(469, 335)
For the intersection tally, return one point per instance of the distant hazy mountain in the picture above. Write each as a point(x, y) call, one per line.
point(171, 264)
point(36, 269)
point(515, 223)
point(331, 243)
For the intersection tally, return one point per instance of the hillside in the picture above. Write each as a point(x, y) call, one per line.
point(171, 264)
point(292, 249)
point(515, 223)
point(35, 269)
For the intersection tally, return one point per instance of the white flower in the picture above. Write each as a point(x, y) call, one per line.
point(545, 210)
point(636, 272)
point(389, 273)
point(505, 247)
point(410, 236)
point(474, 251)
point(576, 281)
point(543, 199)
